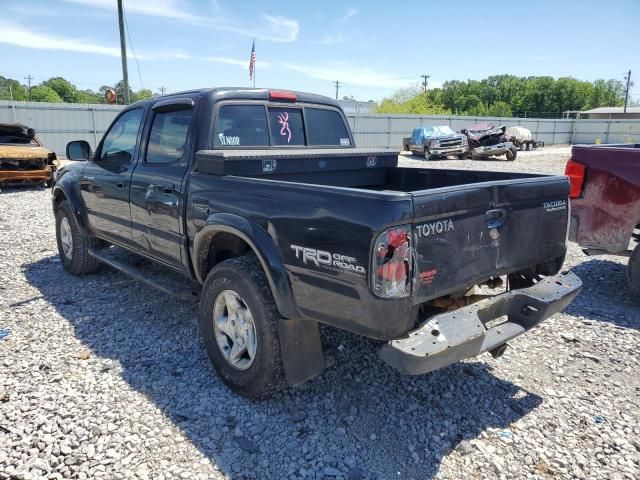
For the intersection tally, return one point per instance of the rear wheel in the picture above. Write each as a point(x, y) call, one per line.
point(633, 271)
point(73, 246)
point(239, 325)
point(461, 156)
point(427, 153)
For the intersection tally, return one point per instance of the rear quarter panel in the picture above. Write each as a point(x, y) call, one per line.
point(308, 222)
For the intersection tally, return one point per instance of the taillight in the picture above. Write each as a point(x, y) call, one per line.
point(392, 265)
point(575, 172)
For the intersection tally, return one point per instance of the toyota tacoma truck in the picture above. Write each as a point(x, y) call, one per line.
point(436, 141)
point(260, 200)
point(605, 202)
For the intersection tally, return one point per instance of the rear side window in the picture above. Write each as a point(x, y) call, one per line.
point(326, 127)
point(168, 137)
point(286, 126)
point(241, 126)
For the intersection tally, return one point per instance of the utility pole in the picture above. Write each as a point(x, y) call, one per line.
point(627, 77)
point(28, 78)
point(337, 84)
point(425, 81)
point(123, 53)
point(162, 90)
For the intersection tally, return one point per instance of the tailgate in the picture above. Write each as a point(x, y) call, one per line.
point(467, 234)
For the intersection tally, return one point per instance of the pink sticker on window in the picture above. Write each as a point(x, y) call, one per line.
point(285, 131)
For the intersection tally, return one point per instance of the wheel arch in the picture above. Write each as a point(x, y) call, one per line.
point(226, 236)
point(60, 194)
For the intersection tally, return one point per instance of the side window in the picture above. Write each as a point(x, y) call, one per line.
point(326, 127)
point(168, 137)
point(119, 144)
point(286, 126)
point(241, 126)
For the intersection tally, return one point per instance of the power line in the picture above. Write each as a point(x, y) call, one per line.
point(126, 24)
point(337, 84)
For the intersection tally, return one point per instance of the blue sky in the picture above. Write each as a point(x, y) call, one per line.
point(372, 47)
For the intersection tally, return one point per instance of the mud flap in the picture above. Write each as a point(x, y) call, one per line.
point(301, 350)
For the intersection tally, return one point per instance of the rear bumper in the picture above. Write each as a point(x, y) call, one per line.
point(498, 149)
point(10, 176)
point(452, 336)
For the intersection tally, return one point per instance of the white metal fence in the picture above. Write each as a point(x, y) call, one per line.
point(58, 123)
point(389, 130)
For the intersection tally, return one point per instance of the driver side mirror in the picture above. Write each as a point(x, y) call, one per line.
point(78, 150)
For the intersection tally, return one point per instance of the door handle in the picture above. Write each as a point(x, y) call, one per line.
point(496, 217)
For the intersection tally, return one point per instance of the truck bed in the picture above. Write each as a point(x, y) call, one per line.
point(468, 226)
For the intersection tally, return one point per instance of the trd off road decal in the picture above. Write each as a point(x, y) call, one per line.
point(285, 131)
point(324, 259)
point(555, 205)
point(228, 141)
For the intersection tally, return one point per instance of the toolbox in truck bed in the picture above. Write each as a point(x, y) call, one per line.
point(270, 161)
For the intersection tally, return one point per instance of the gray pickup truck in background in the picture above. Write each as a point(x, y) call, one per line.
point(436, 141)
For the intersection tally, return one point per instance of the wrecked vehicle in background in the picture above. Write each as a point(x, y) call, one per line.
point(23, 159)
point(486, 140)
point(605, 203)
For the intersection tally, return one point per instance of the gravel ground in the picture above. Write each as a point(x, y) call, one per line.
point(103, 378)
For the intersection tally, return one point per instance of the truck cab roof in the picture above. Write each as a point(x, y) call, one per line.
point(239, 93)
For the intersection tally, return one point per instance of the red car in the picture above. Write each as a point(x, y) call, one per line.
point(605, 202)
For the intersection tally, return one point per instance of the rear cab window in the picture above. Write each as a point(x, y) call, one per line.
point(264, 125)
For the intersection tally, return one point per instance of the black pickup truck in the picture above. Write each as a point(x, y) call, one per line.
point(261, 200)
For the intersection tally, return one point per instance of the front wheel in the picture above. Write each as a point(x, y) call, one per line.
point(462, 156)
point(633, 271)
point(512, 154)
point(239, 325)
point(73, 246)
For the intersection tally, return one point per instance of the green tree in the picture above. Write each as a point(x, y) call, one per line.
point(41, 93)
point(64, 88)
point(142, 94)
point(12, 88)
point(89, 96)
point(499, 109)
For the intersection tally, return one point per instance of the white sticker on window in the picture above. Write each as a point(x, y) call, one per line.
point(228, 141)
point(344, 141)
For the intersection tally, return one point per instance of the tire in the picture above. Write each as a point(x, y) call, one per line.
point(406, 148)
point(73, 246)
point(633, 271)
point(427, 154)
point(512, 154)
point(461, 156)
point(260, 376)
